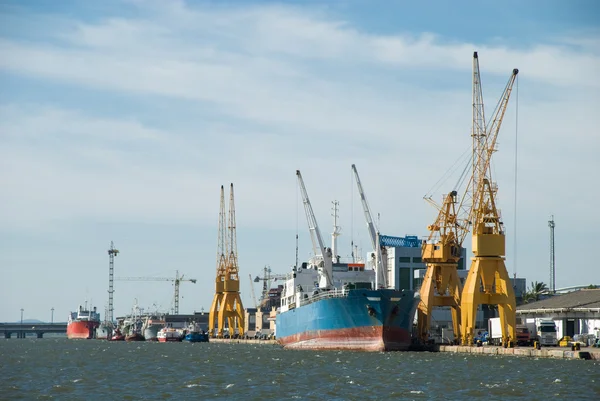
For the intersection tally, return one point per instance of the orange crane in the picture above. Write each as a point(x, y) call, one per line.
point(177, 280)
point(442, 250)
point(227, 309)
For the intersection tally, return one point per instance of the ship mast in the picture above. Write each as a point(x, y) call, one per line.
point(336, 230)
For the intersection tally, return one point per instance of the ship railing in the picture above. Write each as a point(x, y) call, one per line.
point(335, 293)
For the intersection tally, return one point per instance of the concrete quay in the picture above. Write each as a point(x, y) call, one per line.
point(561, 353)
point(242, 341)
point(587, 353)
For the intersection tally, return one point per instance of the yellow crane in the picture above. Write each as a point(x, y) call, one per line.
point(227, 309)
point(442, 250)
point(177, 280)
point(441, 253)
point(487, 281)
point(221, 267)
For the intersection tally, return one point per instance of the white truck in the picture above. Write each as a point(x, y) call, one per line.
point(494, 331)
point(546, 333)
point(525, 333)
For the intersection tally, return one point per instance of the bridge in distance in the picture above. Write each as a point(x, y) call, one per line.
point(39, 329)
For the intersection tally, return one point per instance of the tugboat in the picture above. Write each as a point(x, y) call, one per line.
point(195, 334)
point(117, 335)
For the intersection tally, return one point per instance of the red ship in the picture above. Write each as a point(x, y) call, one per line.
point(83, 323)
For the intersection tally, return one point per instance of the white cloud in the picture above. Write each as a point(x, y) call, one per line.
point(268, 90)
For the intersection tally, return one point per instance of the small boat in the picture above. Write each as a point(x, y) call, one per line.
point(197, 337)
point(152, 324)
point(169, 334)
point(117, 335)
point(195, 334)
point(135, 337)
point(132, 325)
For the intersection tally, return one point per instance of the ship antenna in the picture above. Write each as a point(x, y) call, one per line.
point(296, 265)
point(352, 217)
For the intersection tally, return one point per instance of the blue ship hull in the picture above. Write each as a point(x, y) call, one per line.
point(368, 320)
point(196, 337)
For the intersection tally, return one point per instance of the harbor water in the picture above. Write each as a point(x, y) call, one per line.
point(57, 368)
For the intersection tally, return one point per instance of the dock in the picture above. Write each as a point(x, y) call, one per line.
point(243, 341)
point(587, 353)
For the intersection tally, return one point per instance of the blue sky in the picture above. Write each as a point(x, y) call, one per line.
point(119, 120)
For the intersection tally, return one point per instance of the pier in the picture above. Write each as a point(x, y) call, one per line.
point(551, 352)
point(22, 329)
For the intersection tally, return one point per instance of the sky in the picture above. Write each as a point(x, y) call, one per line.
point(120, 120)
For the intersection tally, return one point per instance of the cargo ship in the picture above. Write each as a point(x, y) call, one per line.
point(353, 317)
point(83, 323)
point(328, 304)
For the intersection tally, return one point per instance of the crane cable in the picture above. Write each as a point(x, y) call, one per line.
point(516, 165)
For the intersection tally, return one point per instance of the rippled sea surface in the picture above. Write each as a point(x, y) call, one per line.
point(64, 369)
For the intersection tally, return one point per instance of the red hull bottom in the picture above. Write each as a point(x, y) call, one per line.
point(368, 338)
point(170, 340)
point(81, 329)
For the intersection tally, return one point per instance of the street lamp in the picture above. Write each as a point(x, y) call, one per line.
point(22, 323)
point(52, 316)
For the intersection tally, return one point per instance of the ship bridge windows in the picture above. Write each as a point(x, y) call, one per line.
point(356, 267)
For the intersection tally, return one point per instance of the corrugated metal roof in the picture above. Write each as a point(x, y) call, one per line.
point(586, 298)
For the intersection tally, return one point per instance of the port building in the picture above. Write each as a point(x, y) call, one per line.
point(574, 313)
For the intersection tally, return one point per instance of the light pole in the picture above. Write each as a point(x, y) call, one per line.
point(22, 336)
point(52, 316)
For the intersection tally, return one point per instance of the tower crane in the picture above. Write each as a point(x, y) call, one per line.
point(266, 279)
point(322, 256)
point(112, 252)
point(442, 250)
point(227, 305)
point(381, 260)
point(177, 280)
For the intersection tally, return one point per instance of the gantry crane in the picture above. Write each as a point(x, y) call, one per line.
point(381, 260)
point(442, 250)
point(322, 255)
point(177, 280)
point(227, 304)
